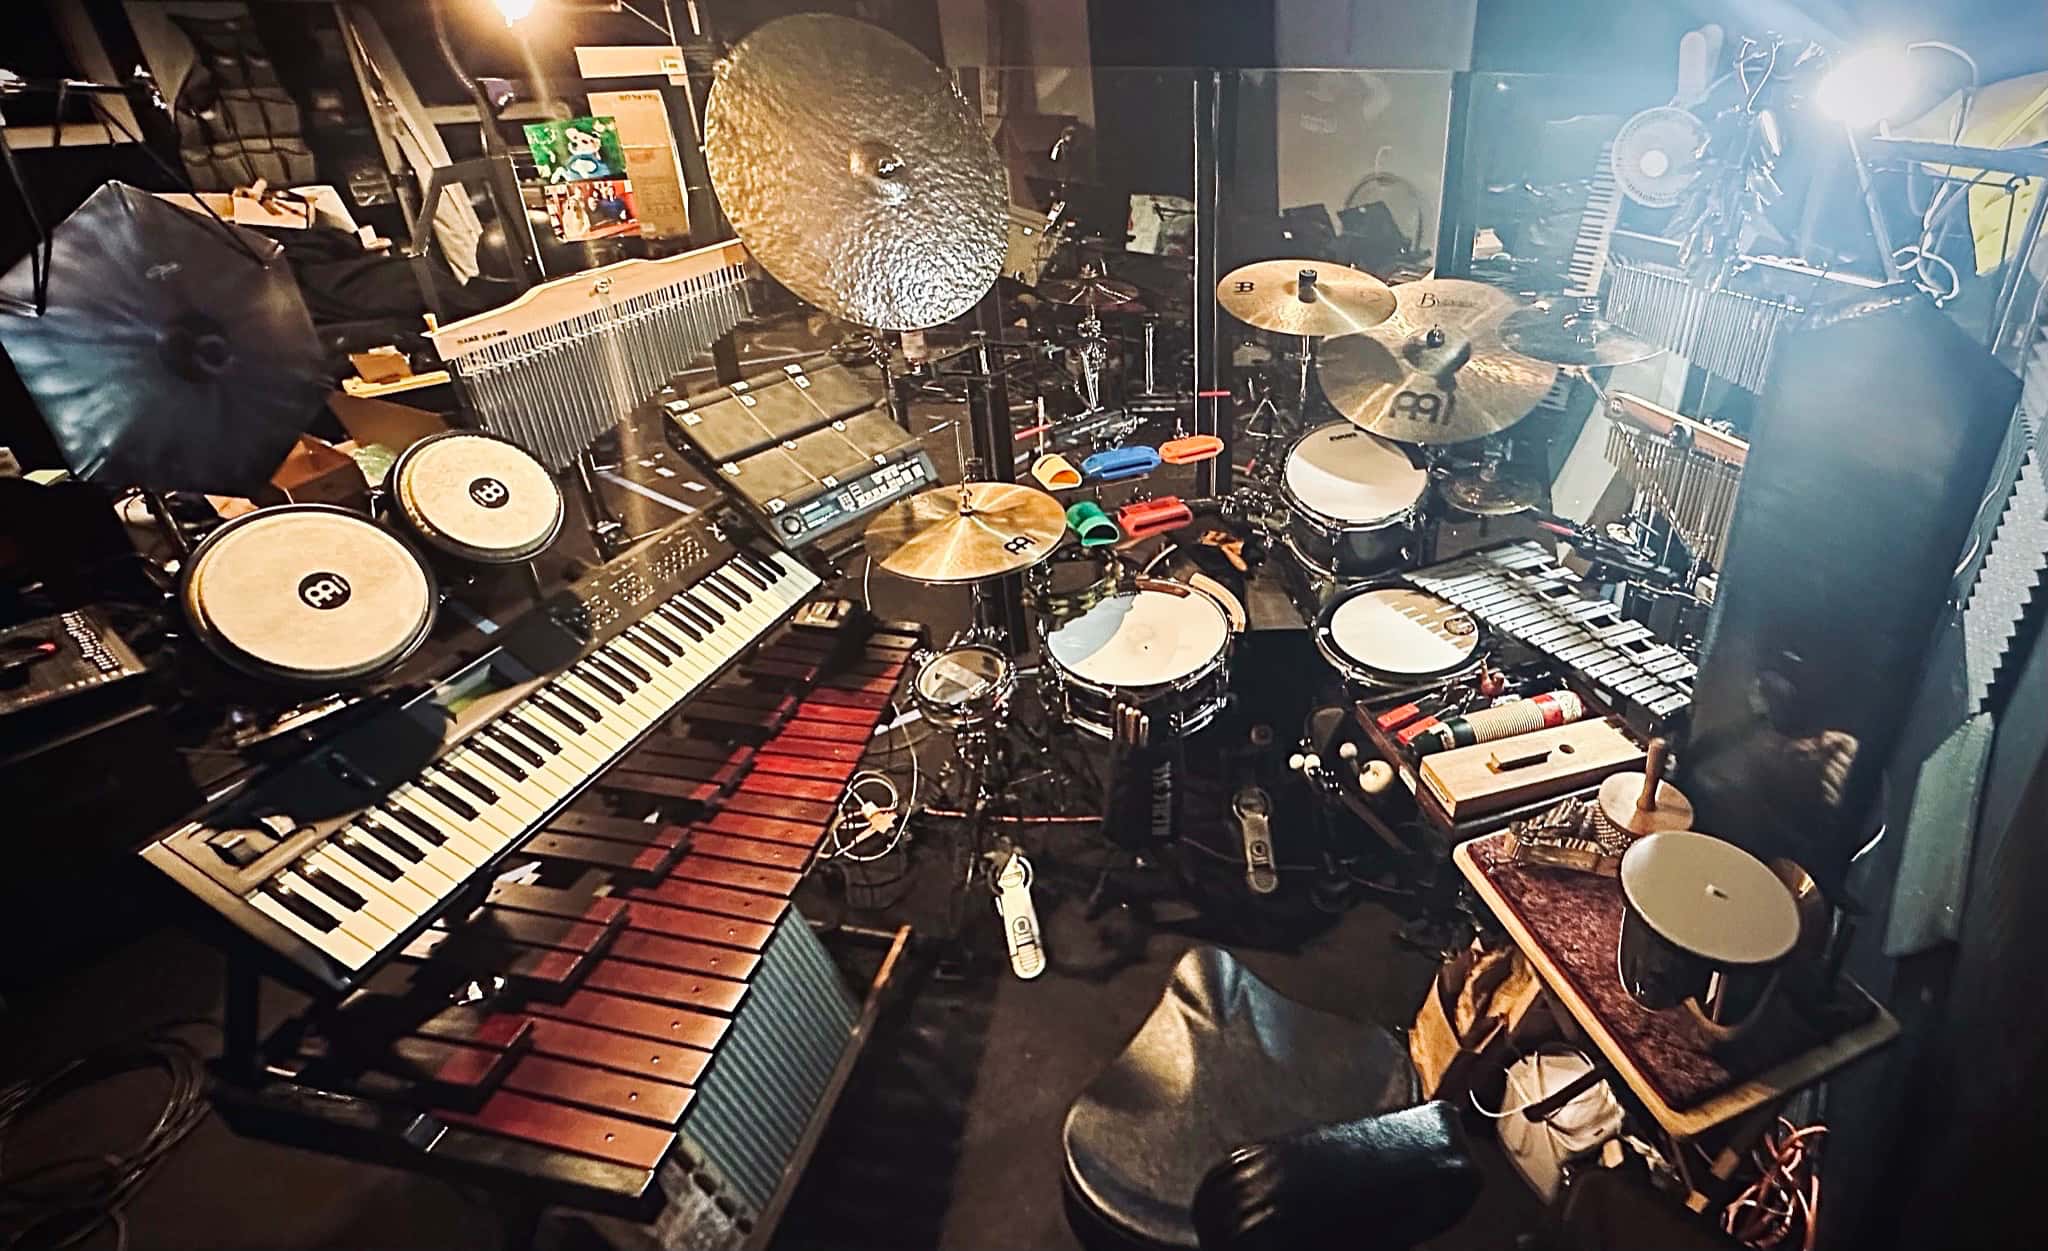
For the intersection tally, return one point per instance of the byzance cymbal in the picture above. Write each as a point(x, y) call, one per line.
point(855, 173)
point(966, 533)
point(1436, 371)
point(1562, 331)
point(1314, 298)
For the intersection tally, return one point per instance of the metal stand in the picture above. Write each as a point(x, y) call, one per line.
point(1308, 365)
point(1212, 393)
point(606, 531)
point(994, 443)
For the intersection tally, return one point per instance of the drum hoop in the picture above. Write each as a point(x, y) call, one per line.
point(1063, 605)
point(255, 666)
point(1005, 679)
point(1333, 524)
point(401, 500)
point(1350, 666)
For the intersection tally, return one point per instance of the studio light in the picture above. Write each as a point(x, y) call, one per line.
point(515, 10)
point(1868, 88)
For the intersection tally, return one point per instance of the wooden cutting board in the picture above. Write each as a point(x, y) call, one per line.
point(1487, 777)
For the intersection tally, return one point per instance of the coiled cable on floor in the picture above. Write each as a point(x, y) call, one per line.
point(1782, 1206)
point(62, 1203)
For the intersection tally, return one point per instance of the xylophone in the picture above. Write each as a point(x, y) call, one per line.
point(635, 1016)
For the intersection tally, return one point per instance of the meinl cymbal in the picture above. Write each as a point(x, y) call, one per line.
point(966, 533)
point(855, 173)
point(1501, 494)
point(1313, 298)
point(1564, 333)
point(1436, 371)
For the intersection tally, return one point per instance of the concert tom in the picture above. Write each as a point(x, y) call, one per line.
point(1392, 637)
point(475, 497)
point(964, 687)
point(1140, 666)
point(1354, 502)
point(308, 594)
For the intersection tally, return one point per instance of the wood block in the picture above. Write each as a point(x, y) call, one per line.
point(1488, 777)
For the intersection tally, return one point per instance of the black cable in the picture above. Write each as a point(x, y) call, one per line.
point(62, 1203)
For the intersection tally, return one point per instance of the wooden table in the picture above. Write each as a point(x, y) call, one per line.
point(1733, 1119)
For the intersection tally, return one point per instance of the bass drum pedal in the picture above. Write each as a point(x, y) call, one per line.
point(1253, 809)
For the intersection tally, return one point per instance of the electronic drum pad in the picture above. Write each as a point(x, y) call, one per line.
point(308, 594)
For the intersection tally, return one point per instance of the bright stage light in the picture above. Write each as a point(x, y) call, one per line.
point(514, 10)
point(1867, 88)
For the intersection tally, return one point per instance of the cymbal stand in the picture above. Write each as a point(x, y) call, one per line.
point(1093, 353)
point(1308, 365)
point(879, 353)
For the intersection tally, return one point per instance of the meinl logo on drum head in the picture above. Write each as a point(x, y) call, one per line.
point(323, 590)
point(489, 492)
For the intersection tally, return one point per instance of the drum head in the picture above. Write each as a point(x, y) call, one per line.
point(310, 594)
point(1340, 472)
point(1141, 638)
point(961, 675)
point(1397, 635)
point(477, 497)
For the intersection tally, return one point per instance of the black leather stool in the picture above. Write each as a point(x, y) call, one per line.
point(1225, 1061)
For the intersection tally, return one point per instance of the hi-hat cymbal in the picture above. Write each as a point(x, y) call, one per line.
point(966, 533)
point(1315, 298)
point(1562, 332)
point(1094, 290)
point(1500, 494)
point(1435, 372)
point(855, 173)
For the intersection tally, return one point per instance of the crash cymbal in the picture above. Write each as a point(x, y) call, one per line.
point(1094, 290)
point(1435, 372)
point(1315, 298)
point(966, 533)
point(1499, 494)
point(855, 173)
point(1564, 332)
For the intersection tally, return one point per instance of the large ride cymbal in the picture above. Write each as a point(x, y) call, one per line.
point(855, 173)
point(1314, 298)
point(1562, 332)
point(1435, 372)
point(966, 533)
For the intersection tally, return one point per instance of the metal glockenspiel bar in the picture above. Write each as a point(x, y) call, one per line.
point(566, 361)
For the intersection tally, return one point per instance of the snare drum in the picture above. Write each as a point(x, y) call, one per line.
point(475, 497)
point(1395, 636)
point(309, 594)
point(1142, 665)
point(965, 687)
point(1354, 501)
